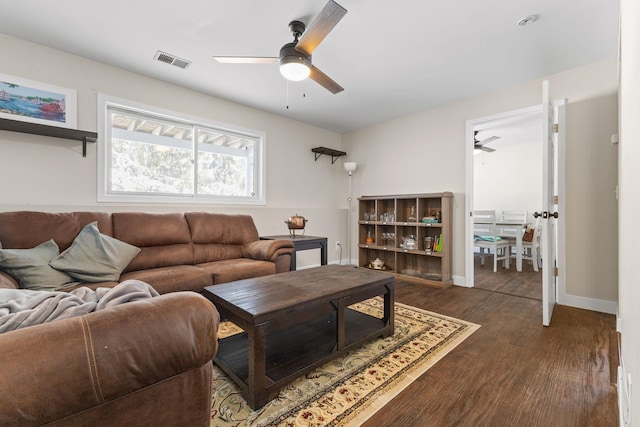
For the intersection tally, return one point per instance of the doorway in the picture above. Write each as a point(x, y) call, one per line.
point(506, 169)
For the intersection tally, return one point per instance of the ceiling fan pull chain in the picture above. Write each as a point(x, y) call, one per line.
point(287, 83)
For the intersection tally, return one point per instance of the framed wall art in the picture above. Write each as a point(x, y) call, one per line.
point(35, 102)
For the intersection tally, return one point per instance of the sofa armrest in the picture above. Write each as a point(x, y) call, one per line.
point(67, 366)
point(7, 282)
point(267, 250)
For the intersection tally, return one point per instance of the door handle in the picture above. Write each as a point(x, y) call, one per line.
point(545, 214)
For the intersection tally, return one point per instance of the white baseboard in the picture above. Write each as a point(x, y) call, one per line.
point(603, 306)
point(460, 281)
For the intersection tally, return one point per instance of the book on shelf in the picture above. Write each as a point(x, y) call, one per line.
point(437, 243)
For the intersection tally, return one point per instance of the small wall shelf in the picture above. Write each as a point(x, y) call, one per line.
point(53, 131)
point(335, 154)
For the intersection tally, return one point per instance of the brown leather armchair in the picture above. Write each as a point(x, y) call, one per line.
point(143, 363)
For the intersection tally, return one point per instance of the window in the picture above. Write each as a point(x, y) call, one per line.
point(150, 155)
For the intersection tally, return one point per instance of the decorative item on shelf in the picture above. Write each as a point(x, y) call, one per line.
point(378, 264)
point(428, 244)
point(386, 237)
point(410, 271)
point(412, 214)
point(36, 102)
point(409, 242)
point(369, 238)
point(388, 217)
point(294, 223)
point(436, 214)
point(429, 220)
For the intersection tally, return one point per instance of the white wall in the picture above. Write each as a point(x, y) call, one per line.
point(48, 174)
point(591, 178)
point(629, 285)
point(424, 152)
point(509, 179)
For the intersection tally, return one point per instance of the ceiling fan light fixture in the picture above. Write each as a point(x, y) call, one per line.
point(294, 66)
point(294, 71)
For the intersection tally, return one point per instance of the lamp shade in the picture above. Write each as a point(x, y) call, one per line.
point(350, 166)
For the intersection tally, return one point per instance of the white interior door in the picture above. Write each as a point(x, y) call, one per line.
point(549, 213)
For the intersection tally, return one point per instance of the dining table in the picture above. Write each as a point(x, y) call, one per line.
point(513, 229)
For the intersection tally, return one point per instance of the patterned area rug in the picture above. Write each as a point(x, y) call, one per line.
point(351, 388)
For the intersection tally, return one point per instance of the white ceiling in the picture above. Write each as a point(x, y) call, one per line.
point(392, 57)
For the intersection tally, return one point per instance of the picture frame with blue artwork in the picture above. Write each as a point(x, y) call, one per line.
point(35, 102)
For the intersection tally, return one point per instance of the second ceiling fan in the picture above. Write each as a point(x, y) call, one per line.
point(295, 57)
point(480, 144)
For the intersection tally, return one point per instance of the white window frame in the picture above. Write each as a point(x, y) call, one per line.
point(258, 173)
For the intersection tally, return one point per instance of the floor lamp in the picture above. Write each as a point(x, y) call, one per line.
point(350, 167)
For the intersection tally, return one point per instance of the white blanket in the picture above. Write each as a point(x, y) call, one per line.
point(20, 308)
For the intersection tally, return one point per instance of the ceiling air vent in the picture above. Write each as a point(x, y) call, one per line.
point(173, 60)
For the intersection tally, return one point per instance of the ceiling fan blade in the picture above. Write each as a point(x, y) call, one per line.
point(325, 81)
point(487, 140)
point(244, 60)
point(328, 17)
point(480, 147)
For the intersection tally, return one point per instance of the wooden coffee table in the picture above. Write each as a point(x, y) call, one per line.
point(294, 322)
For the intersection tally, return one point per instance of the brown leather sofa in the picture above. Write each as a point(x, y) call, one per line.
point(178, 252)
point(143, 363)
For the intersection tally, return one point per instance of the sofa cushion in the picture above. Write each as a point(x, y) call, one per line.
point(237, 269)
point(95, 257)
point(30, 267)
point(164, 239)
point(26, 229)
point(173, 279)
point(219, 236)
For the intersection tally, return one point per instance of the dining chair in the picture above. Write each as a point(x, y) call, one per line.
point(484, 217)
point(484, 237)
point(512, 226)
point(514, 216)
point(531, 250)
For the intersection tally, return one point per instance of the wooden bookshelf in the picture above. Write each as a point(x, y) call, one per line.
point(383, 221)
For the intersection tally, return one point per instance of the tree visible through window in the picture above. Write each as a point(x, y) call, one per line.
point(152, 156)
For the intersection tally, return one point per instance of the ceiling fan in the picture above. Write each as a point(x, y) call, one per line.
point(295, 57)
point(480, 144)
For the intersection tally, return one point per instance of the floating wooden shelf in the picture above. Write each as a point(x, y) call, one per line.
point(335, 154)
point(53, 131)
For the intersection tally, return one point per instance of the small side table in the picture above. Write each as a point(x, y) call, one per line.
point(302, 243)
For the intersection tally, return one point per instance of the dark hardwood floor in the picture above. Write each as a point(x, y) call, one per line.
point(526, 283)
point(512, 371)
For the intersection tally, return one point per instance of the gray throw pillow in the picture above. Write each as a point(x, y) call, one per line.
point(95, 257)
point(30, 267)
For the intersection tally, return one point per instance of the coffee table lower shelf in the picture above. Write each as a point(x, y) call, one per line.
point(298, 349)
